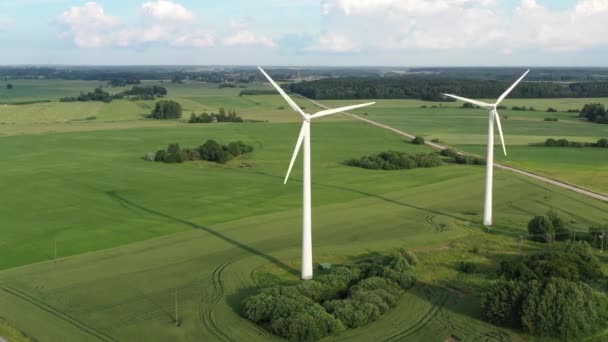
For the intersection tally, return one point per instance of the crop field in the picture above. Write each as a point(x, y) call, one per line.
point(97, 242)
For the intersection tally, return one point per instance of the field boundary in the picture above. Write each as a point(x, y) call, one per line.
point(561, 184)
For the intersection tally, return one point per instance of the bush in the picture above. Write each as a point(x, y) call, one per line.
point(551, 110)
point(392, 160)
point(448, 152)
point(351, 296)
point(211, 150)
point(540, 227)
point(221, 117)
point(594, 112)
point(418, 141)
point(552, 119)
point(502, 304)
point(560, 226)
point(468, 160)
point(563, 309)
point(467, 267)
point(166, 110)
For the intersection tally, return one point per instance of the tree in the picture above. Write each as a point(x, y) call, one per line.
point(418, 141)
point(559, 225)
point(539, 227)
point(594, 112)
point(167, 110)
point(9, 86)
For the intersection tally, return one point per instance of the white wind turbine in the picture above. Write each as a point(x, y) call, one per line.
point(493, 114)
point(305, 137)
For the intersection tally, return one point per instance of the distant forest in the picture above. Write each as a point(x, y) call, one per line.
point(431, 89)
point(132, 75)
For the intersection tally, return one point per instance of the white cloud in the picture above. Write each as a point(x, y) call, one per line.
point(335, 42)
point(89, 24)
point(446, 24)
point(163, 22)
point(166, 11)
point(245, 37)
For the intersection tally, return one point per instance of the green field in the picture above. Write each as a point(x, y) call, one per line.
point(467, 130)
point(129, 233)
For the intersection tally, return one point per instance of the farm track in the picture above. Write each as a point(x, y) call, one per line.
point(59, 314)
point(207, 312)
point(436, 146)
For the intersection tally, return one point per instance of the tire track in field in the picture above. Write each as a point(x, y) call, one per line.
point(522, 210)
point(569, 213)
point(59, 314)
point(426, 318)
point(207, 312)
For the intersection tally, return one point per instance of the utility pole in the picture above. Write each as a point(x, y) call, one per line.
point(55, 244)
point(521, 241)
point(176, 310)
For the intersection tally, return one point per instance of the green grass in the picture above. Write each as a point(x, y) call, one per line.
point(586, 167)
point(221, 236)
point(467, 129)
point(130, 232)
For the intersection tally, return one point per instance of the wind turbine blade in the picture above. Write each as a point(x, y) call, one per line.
point(339, 110)
point(475, 102)
point(291, 103)
point(502, 97)
point(295, 152)
point(502, 138)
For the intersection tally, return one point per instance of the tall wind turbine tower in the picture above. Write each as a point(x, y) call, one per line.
point(492, 117)
point(304, 137)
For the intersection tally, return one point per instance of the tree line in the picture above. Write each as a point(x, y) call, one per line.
point(431, 89)
point(221, 116)
point(393, 160)
point(347, 297)
point(211, 151)
point(135, 93)
point(551, 142)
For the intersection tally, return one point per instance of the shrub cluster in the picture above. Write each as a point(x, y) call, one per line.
point(551, 119)
point(548, 295)
point(222, 116)
point(211, 150)
point(166, 110)
point(540, 227)
point(566, 143)
point(393, 160)
point(96, 95)
point(135, 93)
point(346, 297)
point(418, 141)
point(524, 108)
point(594, 112)
point(469, 160)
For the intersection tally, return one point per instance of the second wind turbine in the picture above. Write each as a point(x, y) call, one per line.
point(492, 117)
point(304, 137)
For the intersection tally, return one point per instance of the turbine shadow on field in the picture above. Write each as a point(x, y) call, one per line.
point(367, 194)
point(114, 195)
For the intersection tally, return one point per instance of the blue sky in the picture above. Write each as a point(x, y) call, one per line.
point(305, 32)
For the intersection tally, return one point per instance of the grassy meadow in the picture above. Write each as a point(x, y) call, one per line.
point(467, 129)
point(96, 242)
